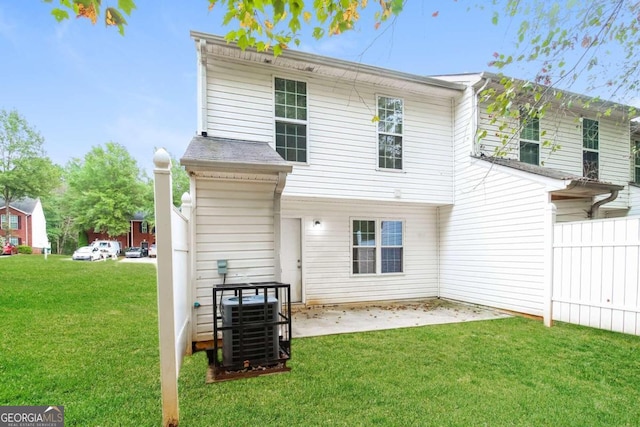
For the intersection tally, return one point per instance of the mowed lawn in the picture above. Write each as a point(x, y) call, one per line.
point(84, 335)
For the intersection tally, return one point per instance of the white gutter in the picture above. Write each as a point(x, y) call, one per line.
point(202, 87)
point(476, 116)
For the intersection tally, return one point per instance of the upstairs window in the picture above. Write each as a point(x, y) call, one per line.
point(636, 164)
point(390, 115)
point(144, 227)
point(529, 138)
point(13, 222)
point(590, 148)
point(377, 242)
point(291, 119)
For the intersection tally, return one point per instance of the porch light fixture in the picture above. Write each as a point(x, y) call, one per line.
point(317, 224)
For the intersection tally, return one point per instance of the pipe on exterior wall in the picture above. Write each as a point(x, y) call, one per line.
point(202, 87)
point(476, 115)
point(593, 212)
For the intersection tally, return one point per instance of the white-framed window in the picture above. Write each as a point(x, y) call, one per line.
point(529, 138)
point(377, 246)
point(636, 163)
point(14, 241)
point(590, 148)
point(390, 132)
point(13, 221)
point(290, 99)
point(144, 227)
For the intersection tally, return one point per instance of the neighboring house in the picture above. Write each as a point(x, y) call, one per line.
point(27, 223)
point(357, 184)
point(492, 238)
point(140, 231)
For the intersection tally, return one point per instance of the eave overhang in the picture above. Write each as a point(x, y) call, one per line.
point(337, 69)
point(560, 184)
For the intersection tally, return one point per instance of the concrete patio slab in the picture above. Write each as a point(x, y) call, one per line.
point(328, 320)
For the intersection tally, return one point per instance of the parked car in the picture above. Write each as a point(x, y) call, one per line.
point(110, 248)
point(9, 249)
point(133, 252)
point(152, 251)
point(87, 253)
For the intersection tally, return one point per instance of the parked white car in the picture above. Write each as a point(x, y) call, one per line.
point(87, 253)
point(109, 248)
point(153, 251)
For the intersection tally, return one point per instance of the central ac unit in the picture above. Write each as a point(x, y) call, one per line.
point(250, 334)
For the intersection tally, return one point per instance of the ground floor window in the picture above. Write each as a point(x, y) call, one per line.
point(14, 241)
point(377, 246)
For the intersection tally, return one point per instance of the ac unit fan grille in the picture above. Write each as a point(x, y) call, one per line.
point(252, 334)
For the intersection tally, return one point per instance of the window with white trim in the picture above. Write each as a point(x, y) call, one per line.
point(390, 132)
point(15, 241)
point(590, 148)
point(636, 164)
point(13, 222)
point(144, 227)
point(377, 243)
point(291, 119)
point(529, 138)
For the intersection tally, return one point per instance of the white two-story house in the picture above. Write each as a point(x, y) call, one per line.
point(356, 184)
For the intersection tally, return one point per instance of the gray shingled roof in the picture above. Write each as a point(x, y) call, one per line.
point(225, 153)
point(578, 187)
point(538, 170)
point(26, 205)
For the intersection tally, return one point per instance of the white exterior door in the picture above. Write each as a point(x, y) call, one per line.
point(291, 257)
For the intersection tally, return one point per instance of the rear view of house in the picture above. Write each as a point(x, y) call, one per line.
point(319, 173)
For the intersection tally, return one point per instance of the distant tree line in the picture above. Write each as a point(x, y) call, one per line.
point(101, 191)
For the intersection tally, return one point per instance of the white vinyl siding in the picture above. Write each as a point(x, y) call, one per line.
point(326, 257)
point(234, 222)
point(492, 239)
point(565, 130)
point(342, 142)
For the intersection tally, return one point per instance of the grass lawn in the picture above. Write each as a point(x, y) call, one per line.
point(84, 335)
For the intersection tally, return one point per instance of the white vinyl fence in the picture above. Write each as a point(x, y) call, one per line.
point(172, 242)
point(595, 274)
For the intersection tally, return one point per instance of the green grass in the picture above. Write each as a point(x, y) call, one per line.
point(84, 335)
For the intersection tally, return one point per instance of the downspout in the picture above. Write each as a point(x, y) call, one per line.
point(277, 224)
point(593, 212)
point(202, 88)
point(476, 115)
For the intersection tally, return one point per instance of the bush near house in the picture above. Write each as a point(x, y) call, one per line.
point(24, 249)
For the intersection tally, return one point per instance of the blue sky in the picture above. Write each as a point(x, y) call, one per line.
point(82, 85)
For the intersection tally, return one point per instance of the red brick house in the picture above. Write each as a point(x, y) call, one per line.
point(27, 224)
point(139, 230)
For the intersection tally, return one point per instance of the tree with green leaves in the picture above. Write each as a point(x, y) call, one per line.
point(570, 44)
point(105, 190)
point(263, 24)
point(25, 170)
point(61, 227)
